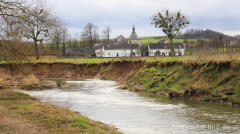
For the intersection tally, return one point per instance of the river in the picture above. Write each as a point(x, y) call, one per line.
point(135, 114)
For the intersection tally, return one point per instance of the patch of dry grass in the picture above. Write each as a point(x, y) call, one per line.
point(30, 79)
point(22, 114)
point(203, 56)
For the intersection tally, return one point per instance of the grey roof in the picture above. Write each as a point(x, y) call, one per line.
point(98, 46)
point(178, 45)
point(121, 46)
point(165, 46)
point(157, 46)
point(92, 52)
point(121, 39)
point(144, 48)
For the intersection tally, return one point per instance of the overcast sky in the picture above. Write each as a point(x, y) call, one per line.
point(121, 15)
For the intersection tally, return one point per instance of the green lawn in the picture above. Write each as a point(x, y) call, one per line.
point(75, 60)
point(102, 60)
point(148, 40)
point(200, 57)
point(156, 39)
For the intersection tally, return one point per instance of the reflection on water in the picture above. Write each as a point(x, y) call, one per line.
point(133, 114)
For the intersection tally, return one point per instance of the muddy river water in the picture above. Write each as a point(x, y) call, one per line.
point(136, 114)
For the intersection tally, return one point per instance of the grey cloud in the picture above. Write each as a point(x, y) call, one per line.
point(122, 14)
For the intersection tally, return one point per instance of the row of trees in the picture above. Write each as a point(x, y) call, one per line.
point(27, 23)
point(213, 47)
point(23, 21)
point(206, 34)
point(90, 36)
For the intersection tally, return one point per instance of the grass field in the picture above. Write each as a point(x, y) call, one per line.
point(75, 60)
point(202, 57)
point(156, 39)
point(104, 60)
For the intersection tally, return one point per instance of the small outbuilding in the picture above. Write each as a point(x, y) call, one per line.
point(163, 49)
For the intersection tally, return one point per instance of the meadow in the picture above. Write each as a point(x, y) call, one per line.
point(201, 57)
point(156, 39)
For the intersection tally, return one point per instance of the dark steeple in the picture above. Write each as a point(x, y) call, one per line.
point(134, 29)
point(133, 35)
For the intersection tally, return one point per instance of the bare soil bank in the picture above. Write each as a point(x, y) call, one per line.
point(211, 81)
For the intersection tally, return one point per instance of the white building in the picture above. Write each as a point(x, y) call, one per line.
point(163, 49)
point(118, 50)
point(123, 48)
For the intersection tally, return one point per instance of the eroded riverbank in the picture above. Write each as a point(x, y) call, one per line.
point(216, 82)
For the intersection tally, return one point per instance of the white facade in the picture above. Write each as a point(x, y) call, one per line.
point(165, 52)
point(116, 53)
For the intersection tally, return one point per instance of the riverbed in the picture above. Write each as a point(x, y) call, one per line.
point(136, 114)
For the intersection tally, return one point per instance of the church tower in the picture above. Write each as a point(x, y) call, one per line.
point(134, 38)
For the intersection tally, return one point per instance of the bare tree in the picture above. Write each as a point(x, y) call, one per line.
point(10, 43)
point(36, 24)
point(90, 34)
point(57, 33)
point(170, 23)
point(106, 34)
point(9, 11)
point(11, 8)
point(64, 38)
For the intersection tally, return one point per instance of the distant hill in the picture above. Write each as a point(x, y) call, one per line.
point(206, 34)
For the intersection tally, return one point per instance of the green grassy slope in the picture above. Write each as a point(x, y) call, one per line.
point(216, 82)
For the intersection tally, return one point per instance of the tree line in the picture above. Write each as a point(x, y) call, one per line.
point(24, 21)
point(90, 36)
point(29, 27)
point(204, 34)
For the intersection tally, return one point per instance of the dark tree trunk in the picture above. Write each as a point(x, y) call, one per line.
point(172, 47)
point(64, 49)
point(36, 50)
point(57, 45)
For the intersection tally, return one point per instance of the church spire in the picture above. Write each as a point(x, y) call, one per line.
point(134, 29)
point(133, 35)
